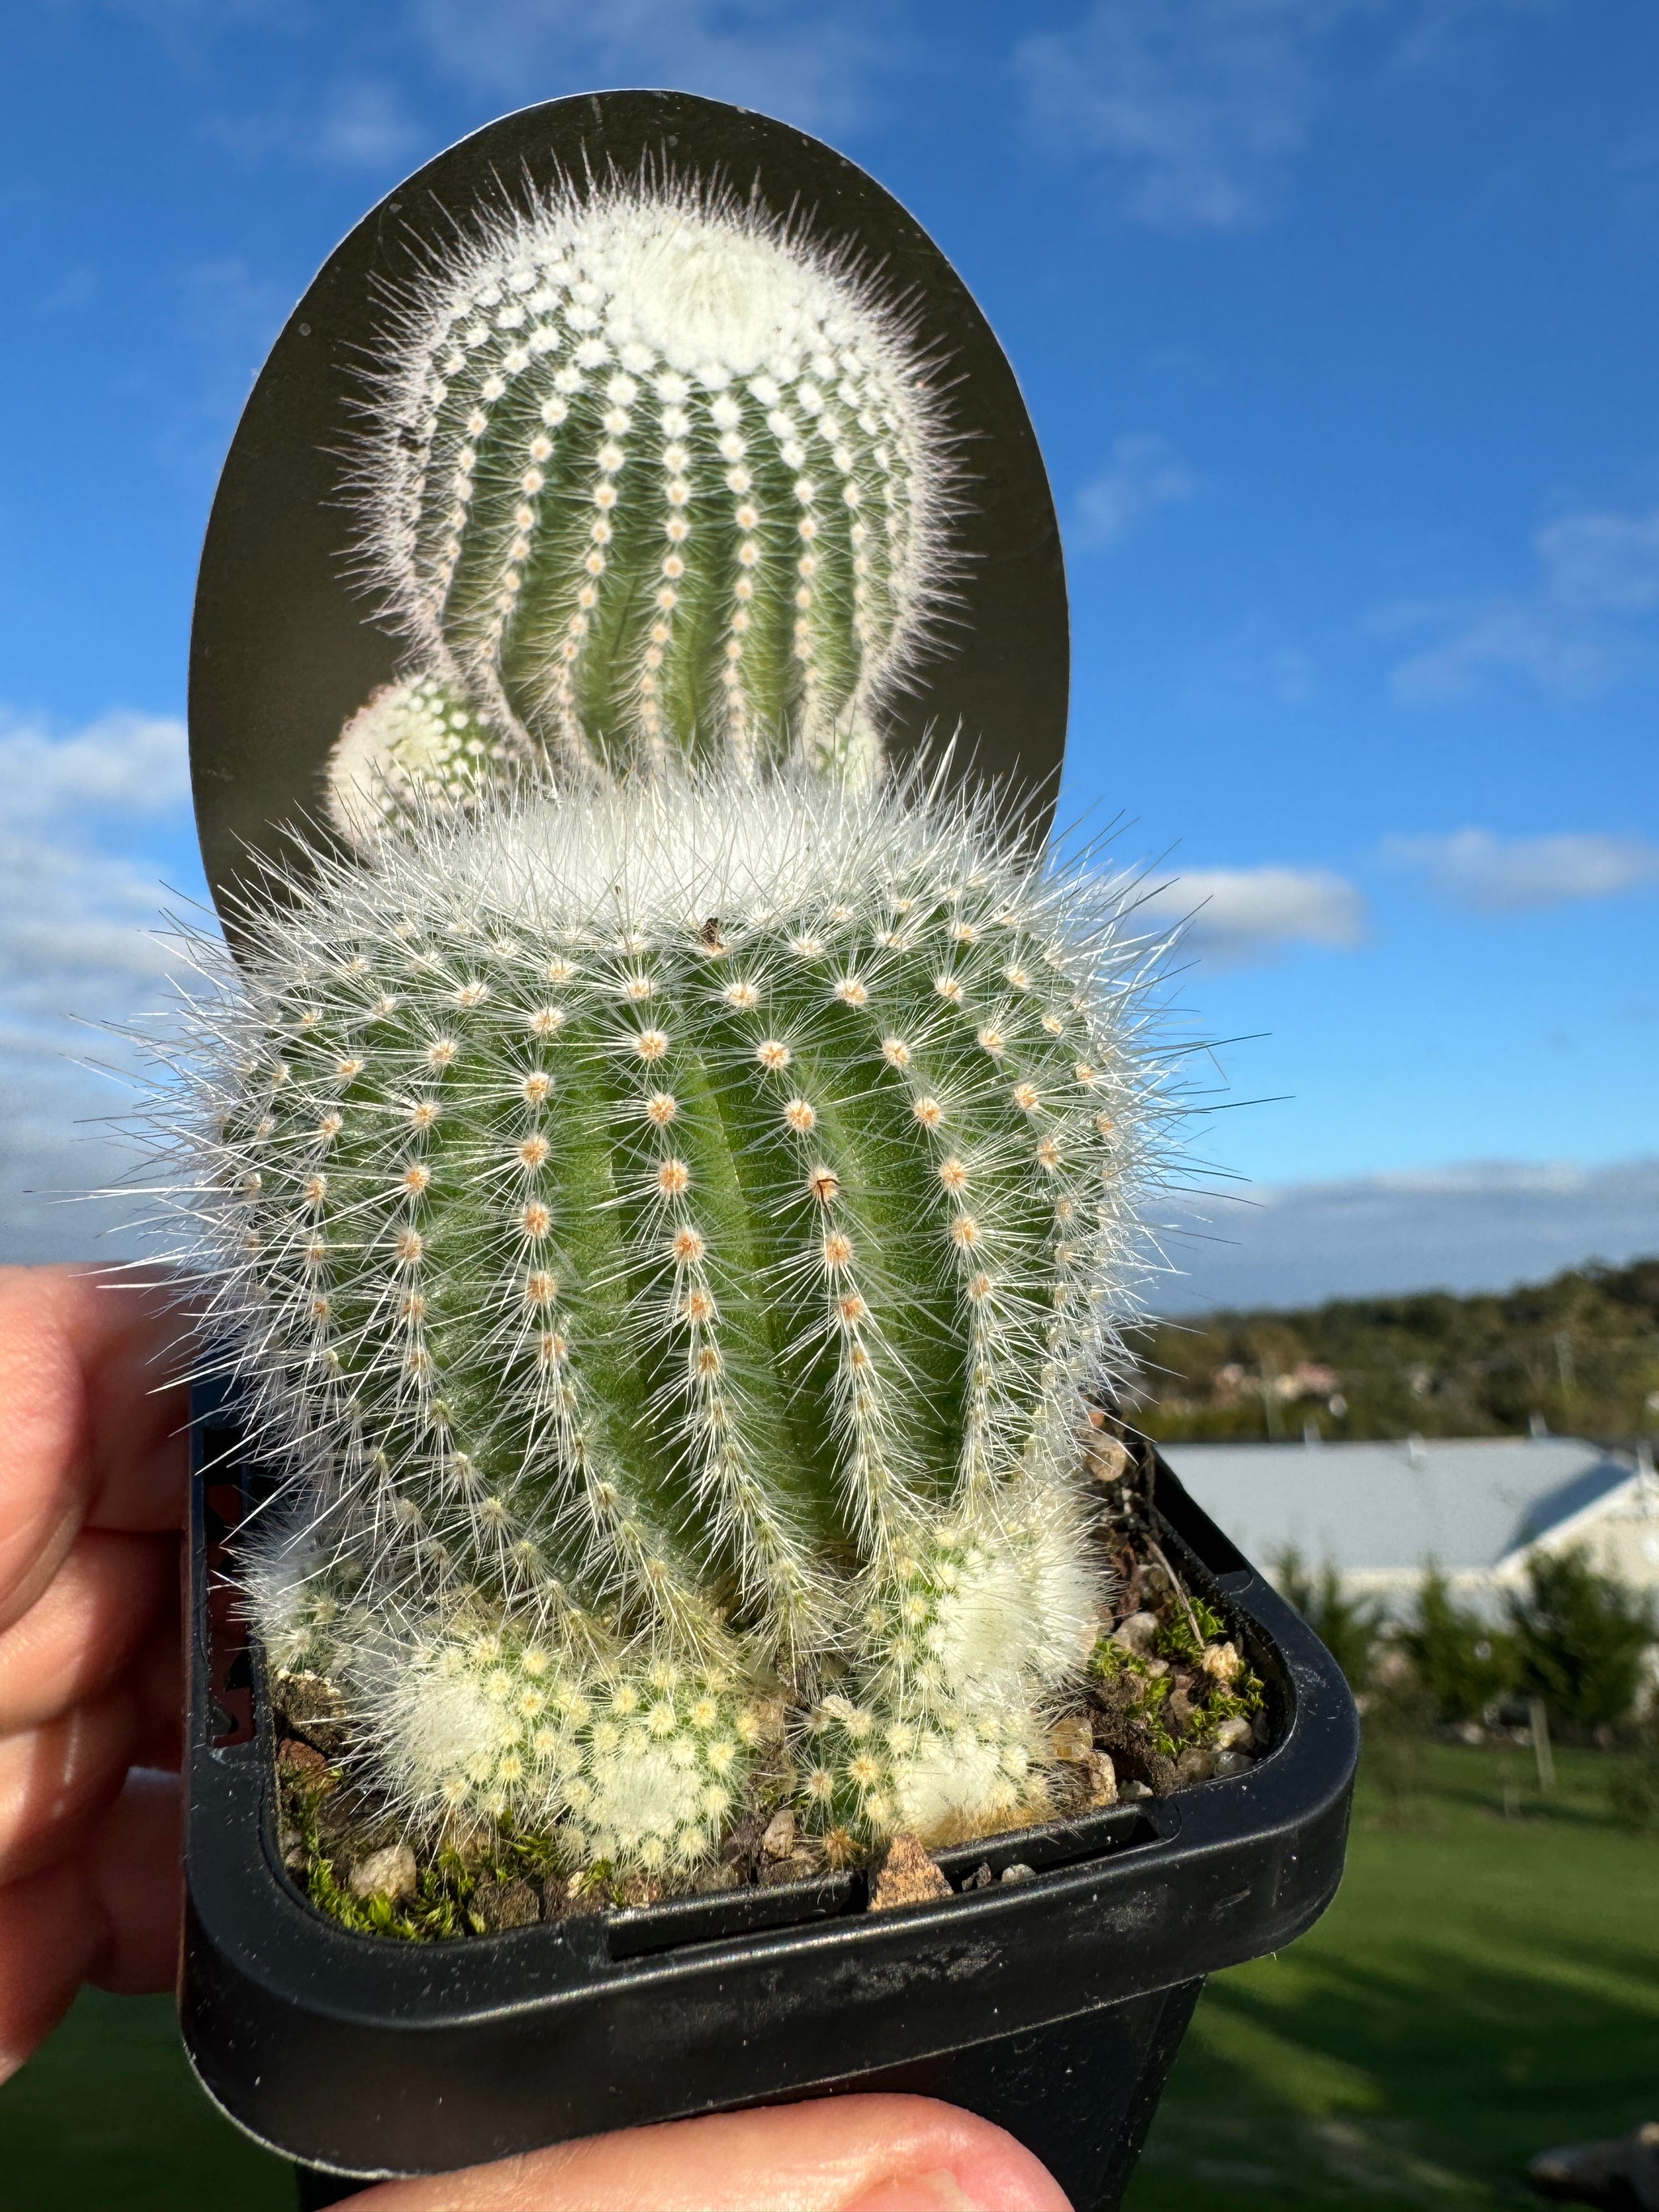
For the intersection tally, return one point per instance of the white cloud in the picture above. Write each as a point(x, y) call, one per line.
point(1495, 875)
point(1604, 563)
point(361, 123)
point(138, 763)
point(77, 914)
point(1573, 631)
point(1238, 917)
point(1146, 473)
point(814, 68)
point(1197, 106)
point(365, 126)
point(1481, 1226)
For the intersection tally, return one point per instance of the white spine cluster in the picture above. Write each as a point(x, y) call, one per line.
point(669, 1232)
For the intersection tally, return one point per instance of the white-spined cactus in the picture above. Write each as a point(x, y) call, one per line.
point(417, 745)
point(669, 1232)
point(652, 479)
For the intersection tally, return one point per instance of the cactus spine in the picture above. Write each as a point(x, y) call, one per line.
point(670, 1229)
point(653, 479)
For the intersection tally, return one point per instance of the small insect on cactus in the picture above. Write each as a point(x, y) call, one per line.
point(652, 479)
point(670, 1231)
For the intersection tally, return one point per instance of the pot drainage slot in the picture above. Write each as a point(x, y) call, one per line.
point(753, 1910)
point(230, 1668)
point(747, 1911)
point(1002, 1859)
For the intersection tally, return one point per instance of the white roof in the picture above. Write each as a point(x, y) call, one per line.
point(1464, 1502)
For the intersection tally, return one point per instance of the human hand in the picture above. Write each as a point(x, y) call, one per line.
point(835, 2154)
point(92, 1476)
point(93, 1469)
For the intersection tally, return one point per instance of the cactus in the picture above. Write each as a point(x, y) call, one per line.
point(416, 745)
point(651, 478)
point(669, 1231)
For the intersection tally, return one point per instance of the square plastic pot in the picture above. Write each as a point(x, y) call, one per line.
point(1052, 2005)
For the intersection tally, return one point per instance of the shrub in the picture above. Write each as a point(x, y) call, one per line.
point(1347, 1628)
point(1580, 1638)
point(1464, 1665)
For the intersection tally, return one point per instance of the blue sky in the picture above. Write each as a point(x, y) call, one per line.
point(1338, 321)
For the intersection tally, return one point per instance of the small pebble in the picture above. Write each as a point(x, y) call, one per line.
point(1135, 1791)
point(1233, 1734)
point(800, 1866)
point(1103, 1780)
point(771, 1718)
point(389, 1873)
point(908, 1876)
point(1107, 1458)
point(779, 1840)
point(1020, 1871)
point(982, 1877)
point(1194, 1764)
point(1233, 1762)
point(1136, 1632)
point(1072, 1739)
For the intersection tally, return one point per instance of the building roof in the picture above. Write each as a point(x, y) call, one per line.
point(1463, 1503)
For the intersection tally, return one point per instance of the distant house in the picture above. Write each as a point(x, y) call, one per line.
point(1476, 1507)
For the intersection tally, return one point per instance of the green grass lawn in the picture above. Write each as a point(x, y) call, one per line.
point(1484, 1986)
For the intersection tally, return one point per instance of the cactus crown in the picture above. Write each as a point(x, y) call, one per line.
point(651, 477)
point(673, 1229)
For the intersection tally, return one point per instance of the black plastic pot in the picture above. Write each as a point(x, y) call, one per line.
point(1052, 2005)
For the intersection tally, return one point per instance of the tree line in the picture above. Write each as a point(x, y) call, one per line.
point(1578, 1354)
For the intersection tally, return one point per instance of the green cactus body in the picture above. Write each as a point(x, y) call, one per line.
point(652, 479)
point(677, 1226)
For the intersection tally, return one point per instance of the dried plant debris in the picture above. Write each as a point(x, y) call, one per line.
point(1169, 1699)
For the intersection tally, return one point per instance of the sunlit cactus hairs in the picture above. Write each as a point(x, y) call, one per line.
point(650, 476)
point(668, 1235)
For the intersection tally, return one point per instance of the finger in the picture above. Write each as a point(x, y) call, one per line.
point(49, 1936)
point(837, 2154)
point(56, 1779)
point(157, 1682)
point(90, 1436)
point(87, 1627)
point(111, 1916)
point(134, 1864)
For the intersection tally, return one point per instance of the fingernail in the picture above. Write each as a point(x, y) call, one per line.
point(938, 2189)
